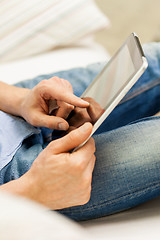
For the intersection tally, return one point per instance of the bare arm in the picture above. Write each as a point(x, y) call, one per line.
point(11, 98)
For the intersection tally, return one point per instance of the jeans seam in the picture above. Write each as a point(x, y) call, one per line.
point(140, 90)
point(153, 186)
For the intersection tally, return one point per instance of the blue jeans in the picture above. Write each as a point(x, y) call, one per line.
point(127, 170)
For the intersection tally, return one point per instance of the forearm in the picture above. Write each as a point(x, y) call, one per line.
point(11, 98)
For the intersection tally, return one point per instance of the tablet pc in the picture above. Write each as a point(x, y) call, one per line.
point(115, 80)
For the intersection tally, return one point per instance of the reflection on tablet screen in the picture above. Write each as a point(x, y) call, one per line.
point(105, 88)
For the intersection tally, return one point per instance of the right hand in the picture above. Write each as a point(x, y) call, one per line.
point(59, 179)
point(89, 114)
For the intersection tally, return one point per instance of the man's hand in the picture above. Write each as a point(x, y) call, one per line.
point(58, 178)
point(35, 107)
point(89, 114)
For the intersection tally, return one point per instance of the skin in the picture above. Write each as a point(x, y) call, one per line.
point(157, 114)
point(90, 114)
point(57, 178)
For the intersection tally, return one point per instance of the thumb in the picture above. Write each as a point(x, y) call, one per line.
point(72, 139)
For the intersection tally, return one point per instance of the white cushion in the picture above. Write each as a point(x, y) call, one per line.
point(36, 26)
point(139, 223)
point(57, 60)
point(21, 219)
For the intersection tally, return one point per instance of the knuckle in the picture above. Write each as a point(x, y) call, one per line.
point(50, 125)
point(87, 196)
point(51, 145)
point(55, 78)
point(34, 120)
point(43, 83)
point(70, 107)
point(92, 143)
point(80, 166)
point(72, 136)
point(86, 182)
point(41, 86)
point(77, 166)
point(67, 83)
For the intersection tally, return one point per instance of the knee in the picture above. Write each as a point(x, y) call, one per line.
point(136, 145)
point(128, 158)
point(152, 53)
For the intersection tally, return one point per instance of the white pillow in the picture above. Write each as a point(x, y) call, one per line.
point(54, 61)
point(35, 26)
point(21, 219)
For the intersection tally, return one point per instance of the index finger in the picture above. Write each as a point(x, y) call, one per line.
point(54, 90)
point(73, 100)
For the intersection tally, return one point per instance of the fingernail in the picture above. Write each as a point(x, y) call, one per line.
point(87, 103)
point(84, 127)
point(62, 126)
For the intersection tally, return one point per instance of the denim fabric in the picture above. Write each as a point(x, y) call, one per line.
point(127, 170)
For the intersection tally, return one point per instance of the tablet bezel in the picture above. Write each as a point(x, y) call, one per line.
point(140, 64)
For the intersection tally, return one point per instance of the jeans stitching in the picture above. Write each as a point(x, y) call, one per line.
point(140, 90)
point(101, 204)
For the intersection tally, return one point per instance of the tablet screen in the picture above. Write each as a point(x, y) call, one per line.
point(112, 79)
point(110, 85)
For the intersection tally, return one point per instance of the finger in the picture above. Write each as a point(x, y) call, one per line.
point(71, 140)
point(52, 122)
point(70, 129)
point(79, 117)
point(85, 152)
point(57, 90)
point(70, 98)
point(52, 106)
point(64, 109)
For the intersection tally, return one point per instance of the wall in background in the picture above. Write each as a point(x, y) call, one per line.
point(140, 16)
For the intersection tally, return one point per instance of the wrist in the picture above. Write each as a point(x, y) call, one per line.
point(11, 98)
point(17, 106)
point(21, 186)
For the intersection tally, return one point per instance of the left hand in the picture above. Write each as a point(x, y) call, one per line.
point(35, 107)
point(57, 178)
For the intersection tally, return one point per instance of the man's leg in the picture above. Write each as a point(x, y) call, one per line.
point(113, 151)
point(127, 170)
